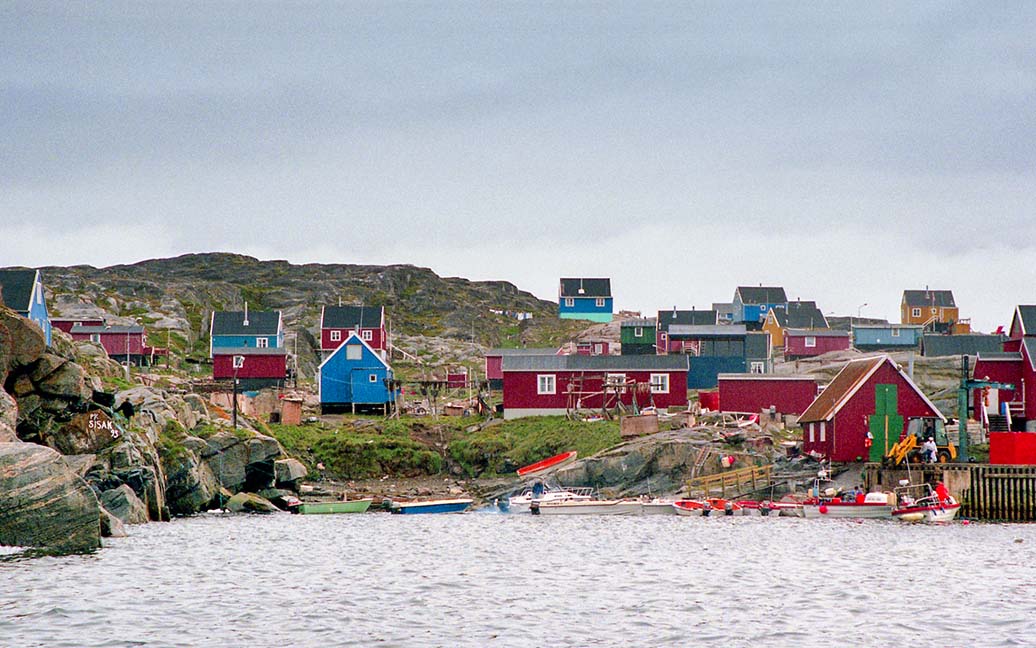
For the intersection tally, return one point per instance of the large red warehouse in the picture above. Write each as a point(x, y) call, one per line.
point(752, 393)
point(870, 395)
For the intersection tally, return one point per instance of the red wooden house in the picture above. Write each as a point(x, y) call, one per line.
point(368, 321)
point(495, 360)
point(806, 343)
point(753, 393)
point(1015, 365)
point(124, 344)
point(863, 412)
point(551, 385)
point(260, 367)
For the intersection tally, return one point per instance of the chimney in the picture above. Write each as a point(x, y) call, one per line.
point(674, 311)
point(245, 323)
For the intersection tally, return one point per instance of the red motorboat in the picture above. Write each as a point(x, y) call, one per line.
point(547, 464)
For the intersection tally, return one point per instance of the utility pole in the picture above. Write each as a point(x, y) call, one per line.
point(239, 361)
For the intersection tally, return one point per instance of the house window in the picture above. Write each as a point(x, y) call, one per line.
point(895, 332)
point(261, 343)
point(367, 335)
point(95, 337)
point(373, 378)
point(353, 351)
point(757, 368)
point(638, 331)
point(659, 383)
point(823, 431)
point(39, 295)
point(915, 312)
point(811, 341)
point(598, 349)
point(812, 433)
point(600, 302)
point(336, 336)
point(570, 302)
point(546, 384)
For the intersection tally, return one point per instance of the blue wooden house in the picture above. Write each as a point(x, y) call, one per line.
point(246, 330)
point(887, 337)
point(22, 291)
point(355, 378)
point(585, 299)
point(752, 303)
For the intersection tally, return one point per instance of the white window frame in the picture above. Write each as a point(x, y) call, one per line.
point(638, 331)
point(597, 348)
point(810, 342)
point(659, 383)
point(262, 343)
point(915, 312)
point(95, 337)
point(373, 378)
point(336, 336)
point(570, 302)
point(546, 384)
point(600, 302)
point(823, 431)
point(354, 352)
point(758, 367)
point(367, 335)
point(812, 433)
point(895, 332)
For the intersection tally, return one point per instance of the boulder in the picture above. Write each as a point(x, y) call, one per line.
point(24, 342)
point(111, 526)
point(242, 464)
point(288, 471)
point(191, 486)
point(43, 503)
point(8, 418)
point(67, 381)
point(124, 504)
point(86, 433)
point(250, 503)
point(47, 364)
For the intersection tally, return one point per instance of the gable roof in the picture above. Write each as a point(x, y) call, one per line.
point(341, 349)
point(800, 314)
point(596, 363)
point(16, 288)
point(939, 298)
point(849, 381)
point(344, 317)
point(1030, 350)
point(233, 323)
point(762, 294)
point(666, 318)
point(1025, 316)
point(936, 344)
point(638, 322)
point(591, 287)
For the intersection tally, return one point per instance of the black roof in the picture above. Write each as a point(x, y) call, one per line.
point(136, 328)
point(233, 323)
point(762, 295)
point(596, 363)
point(1028, 319)
point(757, 345)
point(352, 316)
point(800, 314)
point(954, 345)
point(16, 288)
point(694, 317)
point(591, 287)
point(939, 298)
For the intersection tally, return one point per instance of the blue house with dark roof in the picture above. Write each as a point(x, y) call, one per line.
point(246, 329)
point(22, 291)
point(752, 303)
point(585, 299)
point(355, 378)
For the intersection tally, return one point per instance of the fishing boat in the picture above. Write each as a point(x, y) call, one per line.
point(692, 508)
point(658, 506)
point(708, 506)
point(873, 505)
point(522, 503)
point(919, 503)
point(549, 463)
point(588, 507)
point(341, 506)
point(430, 506)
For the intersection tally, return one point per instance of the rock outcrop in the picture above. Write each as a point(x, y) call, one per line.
point(250, 503)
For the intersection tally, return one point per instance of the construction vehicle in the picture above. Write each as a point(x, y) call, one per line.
point(908, 448)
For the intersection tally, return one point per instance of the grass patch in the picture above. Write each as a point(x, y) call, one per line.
point(358, 454)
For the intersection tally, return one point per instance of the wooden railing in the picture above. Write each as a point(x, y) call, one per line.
point(738, 482)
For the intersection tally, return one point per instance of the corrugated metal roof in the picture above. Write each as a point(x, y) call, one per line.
point(762, 295)
point(798, 332)
point(1001, 355)
point(929, 298)
point(591, 287)
point(668, 318)
point(643, 322)
point(16, 288)
point(751, 376)
point(596, 363)
point(521, 352)
point(259, 323)
point(352, 316)
point(107, 329)
point(952, 345)
point(717, 330)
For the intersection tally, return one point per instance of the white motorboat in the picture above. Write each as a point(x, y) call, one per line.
point(588, 507)
point(874, 505)
point(523, 502)
point(658, 506)
point(919, 503)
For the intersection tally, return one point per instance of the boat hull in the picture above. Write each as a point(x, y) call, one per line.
point(847, 510)
point(325, 508)
point(592, 507)
point(660, 507)
point(936, 513)
point(540, 467)
point(432, 506)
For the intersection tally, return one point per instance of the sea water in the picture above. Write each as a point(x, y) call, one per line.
point(491, 579)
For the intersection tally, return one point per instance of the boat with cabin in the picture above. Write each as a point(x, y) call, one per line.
point(920, 503)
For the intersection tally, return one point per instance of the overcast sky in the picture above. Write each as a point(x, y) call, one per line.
point(845, 151)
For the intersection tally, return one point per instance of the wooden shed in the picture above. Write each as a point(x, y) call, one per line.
point(753, 393)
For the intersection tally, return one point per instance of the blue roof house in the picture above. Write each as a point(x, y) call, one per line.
point(585, 299)
point(354, 377)
point(22, 291)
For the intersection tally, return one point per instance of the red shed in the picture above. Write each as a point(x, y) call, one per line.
point(548, 385)
point(806, 343)
point(752, 393)
point(262, 367)
point(871, 395)
point(592, 347)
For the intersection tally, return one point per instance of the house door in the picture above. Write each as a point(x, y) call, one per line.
point(885, 425)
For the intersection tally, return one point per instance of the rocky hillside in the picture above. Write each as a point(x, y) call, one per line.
point(175, 297)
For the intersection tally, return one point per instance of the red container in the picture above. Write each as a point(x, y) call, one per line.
point(1012, 448)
